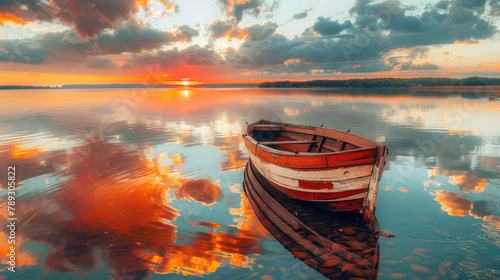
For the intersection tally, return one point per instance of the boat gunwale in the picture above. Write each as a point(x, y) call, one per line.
point(303, 154)
point(313, 130)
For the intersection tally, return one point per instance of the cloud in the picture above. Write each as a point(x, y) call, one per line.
point(135, 39)
point(226, 29)
point(494, 8)
point(101, 63)
point(130, 38)
point(370, 41)
point(377, 30)
point(259, 32)
point(300, 15)
point(193, 55)
point(462, 21)
point(298, 66)
point(272, 51)
point(418, 52)
point(317, 52)
point(327, 27)
point(376, 65)
point(229, 29)
point(273, 6)
point(304, 13)
point(22, 12)
point(236, 8)
point(87, 18)
point(453, 203)
point(20, 51)
point(424, 66)
point(202, 190)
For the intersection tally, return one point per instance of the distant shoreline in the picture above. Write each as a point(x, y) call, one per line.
point(482, 89)
point(376, 83)
point(471, 84)
point(125, 86)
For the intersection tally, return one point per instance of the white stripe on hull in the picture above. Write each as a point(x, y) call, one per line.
point(292, 184)
point(316, 175)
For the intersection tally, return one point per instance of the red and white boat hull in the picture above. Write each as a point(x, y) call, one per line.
point(333, 185)
point(337, 170)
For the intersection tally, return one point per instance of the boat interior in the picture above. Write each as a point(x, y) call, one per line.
point(294, 138)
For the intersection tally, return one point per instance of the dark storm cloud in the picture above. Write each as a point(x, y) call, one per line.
point(324, 26)
point(20, 51)
point(101, 63)
point(193, 55)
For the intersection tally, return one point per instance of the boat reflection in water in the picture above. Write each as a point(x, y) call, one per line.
point(338, 245)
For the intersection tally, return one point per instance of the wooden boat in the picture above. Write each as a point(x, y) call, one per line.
point(339, 245)
point(337, 170)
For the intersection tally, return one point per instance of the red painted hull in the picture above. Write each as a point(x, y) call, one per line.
point(307, 195)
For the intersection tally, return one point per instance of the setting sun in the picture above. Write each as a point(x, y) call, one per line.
point(185, 83)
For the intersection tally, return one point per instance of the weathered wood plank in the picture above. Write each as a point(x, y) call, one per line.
point(337, 174)
point(286, 142)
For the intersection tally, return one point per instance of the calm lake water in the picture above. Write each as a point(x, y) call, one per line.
point(128, 184)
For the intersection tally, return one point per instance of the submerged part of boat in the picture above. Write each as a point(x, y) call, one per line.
point(335, 169)
point(339, 245)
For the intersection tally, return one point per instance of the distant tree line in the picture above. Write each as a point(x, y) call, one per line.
point(385, 83)
point(26, 87)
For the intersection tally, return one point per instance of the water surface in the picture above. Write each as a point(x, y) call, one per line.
point(134, 184)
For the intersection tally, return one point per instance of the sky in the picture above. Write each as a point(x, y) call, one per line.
point(56, 42)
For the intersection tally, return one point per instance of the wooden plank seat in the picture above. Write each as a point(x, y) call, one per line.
point(267, 127)
point(285, 142)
